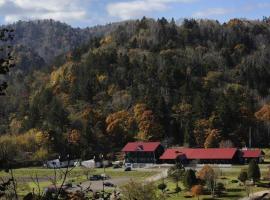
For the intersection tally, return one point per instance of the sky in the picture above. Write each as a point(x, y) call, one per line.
point(85, 13)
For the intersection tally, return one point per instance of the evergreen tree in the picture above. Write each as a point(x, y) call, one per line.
point(254, 171)
point(189, 179)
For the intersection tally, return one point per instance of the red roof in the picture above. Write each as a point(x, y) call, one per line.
point(193, 154)
point(252, 153)
point(141, 146)
point(171, 154)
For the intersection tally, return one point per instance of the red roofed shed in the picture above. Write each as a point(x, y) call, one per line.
point(249, 154)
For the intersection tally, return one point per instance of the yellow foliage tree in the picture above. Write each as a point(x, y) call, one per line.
point(42, 138)
point(41, 154)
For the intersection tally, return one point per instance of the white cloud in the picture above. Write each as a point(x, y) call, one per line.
point(63, 10)
point(212, 12)
point(137, 8)
point(2, 2)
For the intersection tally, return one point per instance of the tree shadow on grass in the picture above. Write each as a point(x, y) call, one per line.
point(232, 195)
point(234, 190)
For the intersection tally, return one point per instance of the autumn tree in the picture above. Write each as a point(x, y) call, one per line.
point(200, 128)
point(264, 115)
point(149, 128)
point(74, 137)
point(197, 190)
point(209, 176)
point(120, 126)
point(213, 139)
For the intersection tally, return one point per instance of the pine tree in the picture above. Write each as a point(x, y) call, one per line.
point(254, 171)
point(189, 179)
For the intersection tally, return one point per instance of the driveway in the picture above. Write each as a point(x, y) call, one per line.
point(98, 185)
point(119, 181)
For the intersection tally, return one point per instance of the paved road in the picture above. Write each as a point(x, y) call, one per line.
point(98, 185)
point(162, 174)
point(256, 195)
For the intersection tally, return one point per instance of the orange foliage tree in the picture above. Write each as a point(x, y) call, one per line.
point(201, 126)
point(120, 126)
point(264, 113)
point(209, 176)
point(74, 136)
point(213, 138)
point(149, 128)
point(197, 190)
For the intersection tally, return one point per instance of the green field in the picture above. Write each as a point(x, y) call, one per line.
point(77, 175)
point(234, 191)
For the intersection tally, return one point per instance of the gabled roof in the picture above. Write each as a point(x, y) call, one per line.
point(200, 153)
point(252, 153)
point(141, 146)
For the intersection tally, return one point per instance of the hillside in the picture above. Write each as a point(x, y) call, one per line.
point(198, 84)
point(47, 39)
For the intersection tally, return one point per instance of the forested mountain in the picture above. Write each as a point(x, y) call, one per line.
point(199, 84)
point(47, 39)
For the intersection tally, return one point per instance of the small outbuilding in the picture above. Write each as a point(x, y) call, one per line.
point(252, 154)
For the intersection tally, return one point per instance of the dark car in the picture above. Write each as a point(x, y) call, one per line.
point(96, 178)
point(68, 185)
point(108, 184)
point(127, 169)
point(116, 166)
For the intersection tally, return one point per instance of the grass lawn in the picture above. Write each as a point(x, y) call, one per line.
point(234, 191)
point(77, 175)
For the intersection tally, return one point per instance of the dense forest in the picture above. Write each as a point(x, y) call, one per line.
point(198, 84)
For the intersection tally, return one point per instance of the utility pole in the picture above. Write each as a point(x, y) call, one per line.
point(249, 137)
point(103, 177)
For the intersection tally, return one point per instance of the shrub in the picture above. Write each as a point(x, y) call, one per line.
point(243, 176)
point(162, 187)
point(177, 189)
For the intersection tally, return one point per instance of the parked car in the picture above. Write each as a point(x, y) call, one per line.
point(68, 185)
point(105, 177)
point(96, 177)
point(116, 166)
point(108, 184)
point(127, 169)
